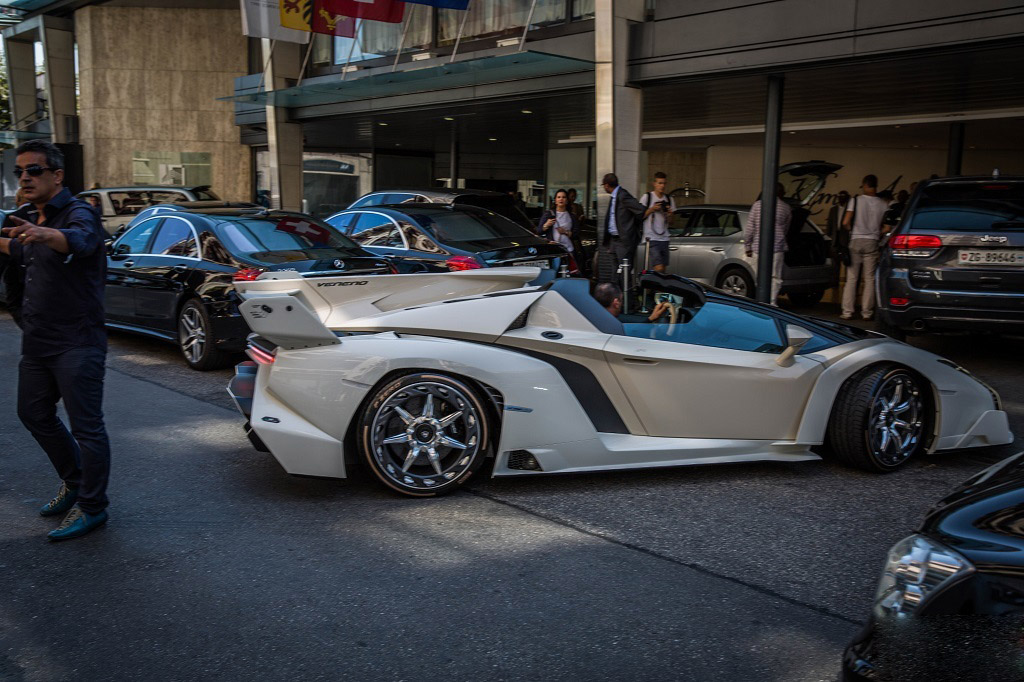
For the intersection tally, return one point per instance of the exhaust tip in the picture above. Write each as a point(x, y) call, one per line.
point(918, 325)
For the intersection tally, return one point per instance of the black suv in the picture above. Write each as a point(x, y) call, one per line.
point(956, 259)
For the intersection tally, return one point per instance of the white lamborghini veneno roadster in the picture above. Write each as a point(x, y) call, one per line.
point(425, 379)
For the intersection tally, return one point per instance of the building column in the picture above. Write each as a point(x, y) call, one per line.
point(619, 107)
point(59, 60)
point(769, 182)
point(284, 139)
point(21, 80)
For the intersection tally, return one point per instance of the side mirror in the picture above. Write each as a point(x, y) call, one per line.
point(796, 337)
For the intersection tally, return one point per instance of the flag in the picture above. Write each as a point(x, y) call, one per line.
point(260, 19)
point(311, 15)
point(303, 228)
point(443, 4)
point(390, 11)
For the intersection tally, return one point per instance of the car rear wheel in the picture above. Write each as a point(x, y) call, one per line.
point(424, 434)
point(879, 418)
point(806, 299)
point(736, 281)
point(195, 338)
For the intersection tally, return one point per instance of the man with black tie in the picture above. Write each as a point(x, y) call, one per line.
point(621, 232)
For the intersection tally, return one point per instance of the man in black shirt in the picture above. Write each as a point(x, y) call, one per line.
point(56, 243)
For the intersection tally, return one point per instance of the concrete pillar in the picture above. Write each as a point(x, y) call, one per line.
point(619, 108)
point(284, 139)
point(21, 80)
point(59, 58)
point(769, 180)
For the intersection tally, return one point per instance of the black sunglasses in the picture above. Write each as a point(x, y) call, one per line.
point(33, 171)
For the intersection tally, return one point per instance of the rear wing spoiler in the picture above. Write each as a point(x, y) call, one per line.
point(295, 311)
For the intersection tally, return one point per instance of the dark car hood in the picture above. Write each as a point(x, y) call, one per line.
point(984, 518)
point(514, 249)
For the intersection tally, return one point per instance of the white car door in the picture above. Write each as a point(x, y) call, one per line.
point(715, 376)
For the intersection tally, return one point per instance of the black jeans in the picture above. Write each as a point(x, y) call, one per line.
point(81, 456)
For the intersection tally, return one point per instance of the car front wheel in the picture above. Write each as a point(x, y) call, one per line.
point(737, 282)
point(879, 418)
point(424, 434)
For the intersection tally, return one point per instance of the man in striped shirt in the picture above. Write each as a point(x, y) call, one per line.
point(752, 238)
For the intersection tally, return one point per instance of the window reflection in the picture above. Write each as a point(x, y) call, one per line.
point(491, 17)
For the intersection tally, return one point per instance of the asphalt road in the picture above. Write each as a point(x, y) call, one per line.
point(217, 565)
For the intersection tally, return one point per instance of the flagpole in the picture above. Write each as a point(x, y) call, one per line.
point(529, 18)
point(352, 48)
point(401, 44)
point(270, 55)
point(462, 27)
point(305, 60)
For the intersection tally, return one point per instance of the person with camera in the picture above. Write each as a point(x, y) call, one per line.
point(659, 207)
point(56, 243)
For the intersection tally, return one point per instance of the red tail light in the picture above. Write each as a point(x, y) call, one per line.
point(895, 300)
point(905, 242)
point(247, 274)
point(259, 355)
point(459, 263)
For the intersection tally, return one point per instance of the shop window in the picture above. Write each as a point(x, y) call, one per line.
point(172, 168)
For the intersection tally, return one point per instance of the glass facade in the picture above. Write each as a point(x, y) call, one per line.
point(495, 17)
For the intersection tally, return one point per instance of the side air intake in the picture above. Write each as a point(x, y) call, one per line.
point(522, 460)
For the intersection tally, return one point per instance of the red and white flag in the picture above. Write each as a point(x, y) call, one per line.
point(390, 11)
point(303, 228)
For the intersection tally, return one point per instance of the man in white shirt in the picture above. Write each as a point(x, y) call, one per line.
point(659, 207)
point(864, 214)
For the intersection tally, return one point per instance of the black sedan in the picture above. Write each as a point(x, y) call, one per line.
point(170, 275)
point(450, 237)
point(950, 603)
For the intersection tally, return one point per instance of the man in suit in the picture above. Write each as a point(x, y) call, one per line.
point(621, 232)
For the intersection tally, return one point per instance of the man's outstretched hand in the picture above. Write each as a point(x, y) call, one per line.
point(25, 232)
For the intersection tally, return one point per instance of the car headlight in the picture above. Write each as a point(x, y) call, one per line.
point(916, 568)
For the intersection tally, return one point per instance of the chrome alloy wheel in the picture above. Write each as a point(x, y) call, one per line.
point(734, 284)
point(425, 435)
point(895, 421)
point(191, 334)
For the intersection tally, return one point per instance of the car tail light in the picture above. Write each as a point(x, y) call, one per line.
point(915, 245)
point(260, 356)
point(896, 300)
point(247, 274)
point(459, 263)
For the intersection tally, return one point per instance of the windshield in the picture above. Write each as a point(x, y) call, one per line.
point(287, 238)
point(459, 226)
point(970, 206)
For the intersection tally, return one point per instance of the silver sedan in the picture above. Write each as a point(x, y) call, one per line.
point(706, 245)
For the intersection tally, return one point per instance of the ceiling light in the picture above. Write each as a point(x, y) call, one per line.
point(897, 126)
point(792, 132)
point(527, 111)
point(916, 146)
point(382, 124)
point(493, 139)
point(448, 118)
point(398, 144)
point(972, 147)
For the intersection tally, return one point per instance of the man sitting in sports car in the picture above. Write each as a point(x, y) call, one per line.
point(610, 297)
